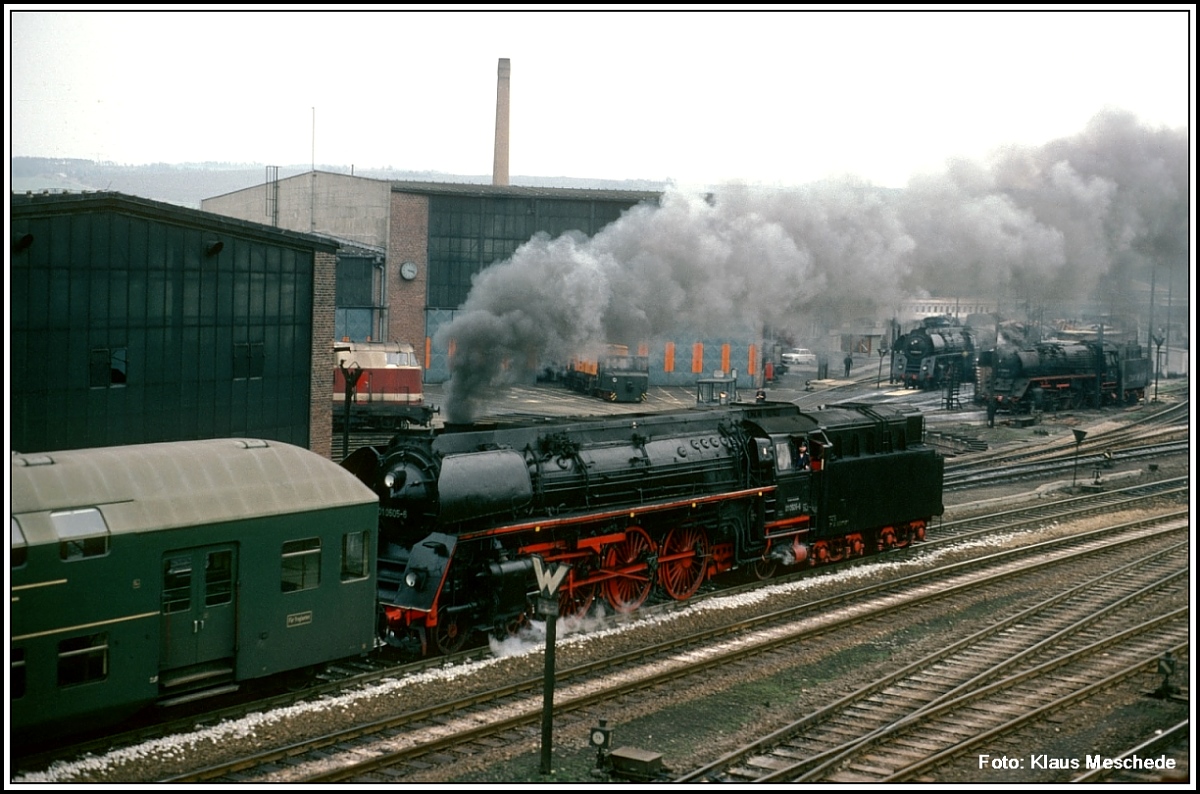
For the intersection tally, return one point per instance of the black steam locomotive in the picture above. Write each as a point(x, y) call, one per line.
point(632, 503)
point(1062, 375)
point(929, 356)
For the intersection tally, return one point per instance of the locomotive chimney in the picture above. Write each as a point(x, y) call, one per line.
point(500, 163)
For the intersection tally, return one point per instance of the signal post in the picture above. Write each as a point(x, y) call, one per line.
point(548, 581)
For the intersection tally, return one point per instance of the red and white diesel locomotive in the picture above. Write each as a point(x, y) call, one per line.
point(387, 391)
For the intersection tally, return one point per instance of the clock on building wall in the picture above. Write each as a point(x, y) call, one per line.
point(408, 271)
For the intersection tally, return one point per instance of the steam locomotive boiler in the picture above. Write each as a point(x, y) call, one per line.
point(1063, 375)
point(928, 356)
point(633, 503)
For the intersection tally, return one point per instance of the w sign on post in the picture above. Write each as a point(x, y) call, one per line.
point(548, 579)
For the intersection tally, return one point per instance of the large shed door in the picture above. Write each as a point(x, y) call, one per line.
point(198, 606)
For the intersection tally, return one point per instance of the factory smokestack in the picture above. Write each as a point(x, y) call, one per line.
point(500, 164)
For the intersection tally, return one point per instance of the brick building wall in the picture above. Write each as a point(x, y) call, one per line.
point(408, 242)
point(321, 419)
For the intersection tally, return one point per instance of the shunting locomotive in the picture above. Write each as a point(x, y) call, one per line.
point(615, 375)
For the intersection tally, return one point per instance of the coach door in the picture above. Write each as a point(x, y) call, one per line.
point(198, 609)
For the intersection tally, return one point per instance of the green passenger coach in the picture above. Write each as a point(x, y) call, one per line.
point(167, 572)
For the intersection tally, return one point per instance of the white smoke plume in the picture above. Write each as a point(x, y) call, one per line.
point(1071, 221)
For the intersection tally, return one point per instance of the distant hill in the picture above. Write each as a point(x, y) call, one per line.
point(187, 184)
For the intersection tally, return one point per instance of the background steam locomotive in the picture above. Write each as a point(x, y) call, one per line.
point(169, 572)
point(929, 356)
point(1062, 375)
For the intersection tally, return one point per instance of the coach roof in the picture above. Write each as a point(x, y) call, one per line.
point(148, 487)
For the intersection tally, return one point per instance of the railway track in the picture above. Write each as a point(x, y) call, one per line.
point(1062, 464)
point(1171, 743)
point(894, 729)
point(1163, 426)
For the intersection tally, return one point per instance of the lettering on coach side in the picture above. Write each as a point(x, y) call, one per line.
point(299, 619)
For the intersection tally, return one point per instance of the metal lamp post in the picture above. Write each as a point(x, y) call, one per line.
point(1079, 436)
point(879, 378)
point(1158, 343)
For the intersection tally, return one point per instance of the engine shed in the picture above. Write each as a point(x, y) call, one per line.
point(134, 321)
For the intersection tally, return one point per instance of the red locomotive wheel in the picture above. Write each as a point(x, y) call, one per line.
point(514, 627)
point(630, 577)
point(764, 569)
point(682, 560)
point(448, 635)
point(575, 595)
point(887, 539)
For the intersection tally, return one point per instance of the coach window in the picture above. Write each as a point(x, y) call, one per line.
point(83, 659)
point(177, 585)
point(81, 533)
point(18, 544)
point(354, 556)
point(218, 578)
point(301, 565)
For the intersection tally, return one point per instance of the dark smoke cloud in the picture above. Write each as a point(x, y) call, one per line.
point(1069, 222)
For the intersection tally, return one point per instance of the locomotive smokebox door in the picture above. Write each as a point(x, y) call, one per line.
point(427, 566)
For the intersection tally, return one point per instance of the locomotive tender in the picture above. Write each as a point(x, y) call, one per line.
point(1056, 375)
point(938, 351)
point(157, 572)
point(631, 503)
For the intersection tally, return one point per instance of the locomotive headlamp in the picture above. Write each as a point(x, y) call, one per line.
point(395, 478)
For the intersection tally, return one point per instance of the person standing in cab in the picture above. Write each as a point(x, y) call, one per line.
point(803, 462)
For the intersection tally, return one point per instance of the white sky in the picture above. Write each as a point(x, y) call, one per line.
point(698, 97)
